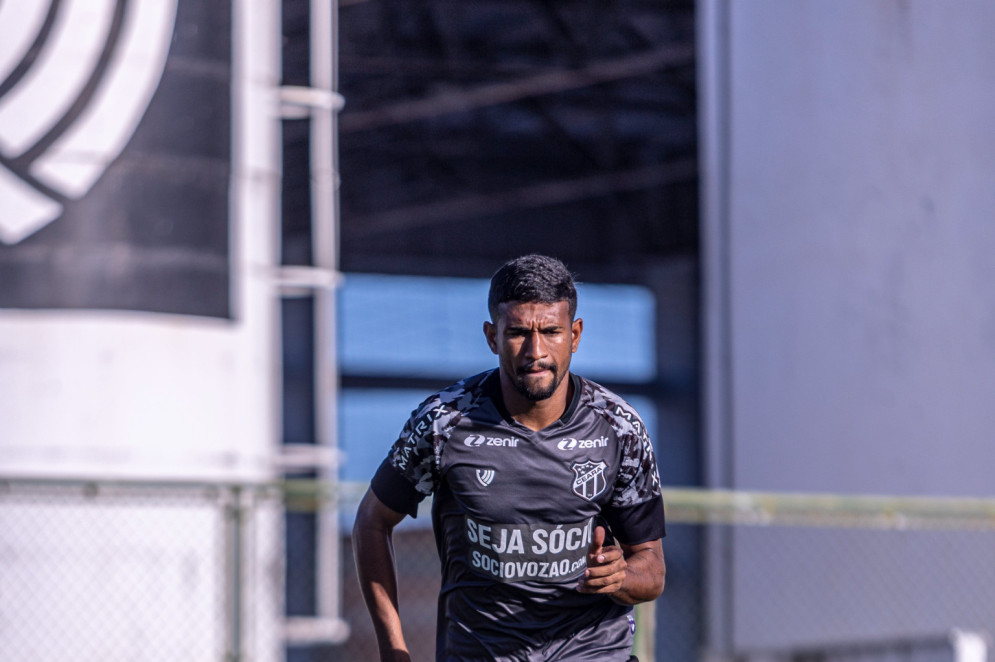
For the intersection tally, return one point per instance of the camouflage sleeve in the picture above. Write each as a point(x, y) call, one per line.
point(635, 512)
point(413, 456)
point(638, 479)
point(411, 471)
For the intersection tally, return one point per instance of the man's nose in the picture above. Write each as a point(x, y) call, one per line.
point(535, 348)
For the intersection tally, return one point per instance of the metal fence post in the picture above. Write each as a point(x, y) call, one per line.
point(234, 525)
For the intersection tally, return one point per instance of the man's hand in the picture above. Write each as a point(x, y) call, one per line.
point(606, 567)
point(628, 574)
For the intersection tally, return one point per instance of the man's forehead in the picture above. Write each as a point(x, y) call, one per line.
point(519, 312)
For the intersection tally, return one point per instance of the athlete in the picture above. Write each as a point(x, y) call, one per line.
point(546, 512)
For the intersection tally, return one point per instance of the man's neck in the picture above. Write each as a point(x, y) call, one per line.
point(537, 414)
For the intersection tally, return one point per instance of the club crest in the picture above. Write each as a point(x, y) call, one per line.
point(589, 479)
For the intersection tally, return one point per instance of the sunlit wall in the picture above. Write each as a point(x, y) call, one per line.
point(849, 157)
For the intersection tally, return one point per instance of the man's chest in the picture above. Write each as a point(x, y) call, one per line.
point(504, 474)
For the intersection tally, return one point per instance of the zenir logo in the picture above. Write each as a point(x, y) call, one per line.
point(477, 440)
point(76, 77)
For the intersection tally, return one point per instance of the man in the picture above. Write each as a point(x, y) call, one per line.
point(536, 472)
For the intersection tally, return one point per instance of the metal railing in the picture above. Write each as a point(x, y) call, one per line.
point(188, 571)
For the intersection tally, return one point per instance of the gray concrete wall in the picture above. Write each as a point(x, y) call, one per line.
point(849, 153)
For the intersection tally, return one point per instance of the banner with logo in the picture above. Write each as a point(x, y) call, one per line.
point(114, 155)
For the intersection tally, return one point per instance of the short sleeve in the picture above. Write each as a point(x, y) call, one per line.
point(394, 491)
point(637, 480)
point(410, 472)
point(635, 510)
point(639, 523)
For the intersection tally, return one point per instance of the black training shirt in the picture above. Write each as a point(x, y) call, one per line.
point(514, 509)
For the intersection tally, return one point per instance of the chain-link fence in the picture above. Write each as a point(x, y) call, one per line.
point(129, 571)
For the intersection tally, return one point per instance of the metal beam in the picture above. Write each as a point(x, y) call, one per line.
point(539, 195)
point(499, 93)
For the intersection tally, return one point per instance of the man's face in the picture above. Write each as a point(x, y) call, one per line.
point(534, 342)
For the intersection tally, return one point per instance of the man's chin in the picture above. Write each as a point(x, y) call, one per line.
point(536, 392)
point(537, 396)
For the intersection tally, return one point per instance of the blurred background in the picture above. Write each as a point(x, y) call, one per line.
point(240, 241)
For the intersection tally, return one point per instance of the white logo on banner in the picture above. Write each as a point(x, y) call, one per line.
point(76, 77)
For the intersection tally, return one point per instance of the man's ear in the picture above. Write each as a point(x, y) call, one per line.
point(576, 328)
point(490, 332)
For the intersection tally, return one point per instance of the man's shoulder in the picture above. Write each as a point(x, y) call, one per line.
point(461, 394)
point(457, 398)
point(610, 405)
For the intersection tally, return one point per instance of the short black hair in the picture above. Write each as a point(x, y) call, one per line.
point(532, 279)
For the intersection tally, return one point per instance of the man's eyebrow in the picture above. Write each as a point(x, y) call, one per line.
point(543, 326)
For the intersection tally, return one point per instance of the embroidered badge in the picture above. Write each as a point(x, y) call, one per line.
point(589, 479)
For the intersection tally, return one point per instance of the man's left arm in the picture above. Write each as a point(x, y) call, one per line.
point(628, 574)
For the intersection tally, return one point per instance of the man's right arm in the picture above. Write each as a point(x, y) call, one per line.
point(372, 539)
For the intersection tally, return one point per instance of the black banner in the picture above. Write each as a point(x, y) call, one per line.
point(115, 148)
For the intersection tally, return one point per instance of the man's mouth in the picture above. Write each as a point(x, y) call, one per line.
point(537, 381)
